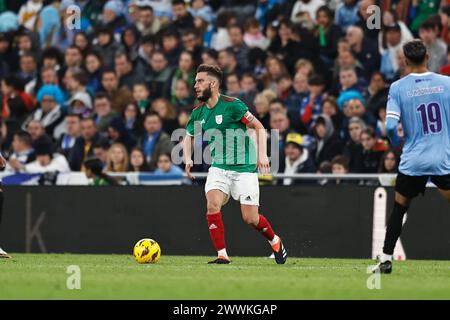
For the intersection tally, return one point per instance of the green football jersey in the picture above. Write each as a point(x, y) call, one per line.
point(227, 136)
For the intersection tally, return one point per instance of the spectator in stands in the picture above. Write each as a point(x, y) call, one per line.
point(80, 104)
point(103, 112)
point(81, 40)
point(297, 159)
point(239, 46)
point(130, 40)
point(94, 172)
point(159, 80)
point(71, 132)
point(118, 133)
point(193, 45)
point(133, 120)
point(36, 130)
point(437, 49)
point(279, 121)
point(28, 71)
point(137, 161)
point(308, 8)
point(148, 24)
point(228, 63)
point(353, 148)
point(182, 19)
point(253, 36)
point(376, 93)
point(249, 90)
point(185, 71)
point(119, 96)
point(233, 87)
point(373, 150)
point(310, 106)
point(328, 144)
point(94, 64)
point(445, 69)
point(155, 141)
point(275, 70)
point(107, 46)
point(171, 46)
point(127, 75)
point(23, 152)
point(100, 151)
point(262, 103)
point(13, 107)
point(331, 109)
point(389, 162)
point(46, 161)
point(339, 165)
point(347, 14)
point(326, 34)
point(49, 113)
point(389, 58)
point(83, 148)
point(167, 114)
point(166, 167)
point(365, 50)
point(142, 97)
point(73, 57)
point(117, 159)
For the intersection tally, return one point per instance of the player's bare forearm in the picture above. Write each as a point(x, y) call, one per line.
point(261, 141)
point(187, 154)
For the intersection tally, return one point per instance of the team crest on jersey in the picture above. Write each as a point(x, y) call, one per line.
point(219, 119)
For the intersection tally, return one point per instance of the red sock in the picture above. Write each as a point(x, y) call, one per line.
point(265, 228)
point(216, 230)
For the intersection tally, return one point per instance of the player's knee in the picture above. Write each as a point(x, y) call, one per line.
point(213, 207)
point(250, 219)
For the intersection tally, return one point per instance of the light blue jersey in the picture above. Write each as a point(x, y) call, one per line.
point(421, 102)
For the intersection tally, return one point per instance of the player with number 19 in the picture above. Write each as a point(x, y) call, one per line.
point(421, 102)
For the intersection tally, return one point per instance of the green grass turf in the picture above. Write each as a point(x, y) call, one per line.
point(43, 276)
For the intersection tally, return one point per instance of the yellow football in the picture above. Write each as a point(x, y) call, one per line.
point(147, 251)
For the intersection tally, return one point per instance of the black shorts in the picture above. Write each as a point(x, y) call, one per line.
point(411, 186)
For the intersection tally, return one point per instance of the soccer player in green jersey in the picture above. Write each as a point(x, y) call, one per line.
point(223, 121)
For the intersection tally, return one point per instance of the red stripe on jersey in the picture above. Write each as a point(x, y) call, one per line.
point(247, 118)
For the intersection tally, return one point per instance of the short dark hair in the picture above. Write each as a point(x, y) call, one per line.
point(211, 70)
point(146, 8)
point(81, 76)
point(152, 114)
point(102, 95)
point(101, 144)
point(428, 24)
point(415, 51)
point(109, 70)
point(369, 131)
point(341, 160)
point(24, 136)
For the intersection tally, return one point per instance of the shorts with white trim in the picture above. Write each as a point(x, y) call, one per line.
point(242, 186)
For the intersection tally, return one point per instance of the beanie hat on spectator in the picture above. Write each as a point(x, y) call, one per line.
point(115, 6)
point(51, 90)
point(349, 95)
point(9, 21)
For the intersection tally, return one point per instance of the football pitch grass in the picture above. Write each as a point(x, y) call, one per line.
point(44, 276)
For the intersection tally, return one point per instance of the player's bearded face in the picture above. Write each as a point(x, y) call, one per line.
point(205, 94)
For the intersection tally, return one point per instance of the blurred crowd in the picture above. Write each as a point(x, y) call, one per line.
point(101, 86)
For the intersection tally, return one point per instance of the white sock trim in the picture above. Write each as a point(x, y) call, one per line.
point(386, 257)
point(274, 240)
point(222, 253)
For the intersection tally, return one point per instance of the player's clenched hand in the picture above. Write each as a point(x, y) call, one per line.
point(263, 164)
point(187, 169)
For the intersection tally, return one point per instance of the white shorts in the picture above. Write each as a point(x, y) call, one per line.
point(242, 186)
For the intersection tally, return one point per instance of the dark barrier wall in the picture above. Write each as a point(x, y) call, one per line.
point(313, 221)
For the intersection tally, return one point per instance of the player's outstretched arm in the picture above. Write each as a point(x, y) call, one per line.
point(261, 140)
point(187, 154)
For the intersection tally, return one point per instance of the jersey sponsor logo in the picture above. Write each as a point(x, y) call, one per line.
point(248, 198)
point(425, 91)
point(219, 119)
